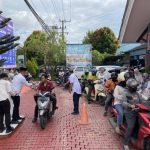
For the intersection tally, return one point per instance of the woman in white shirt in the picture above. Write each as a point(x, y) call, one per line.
point(118, 97)
point(6, 91)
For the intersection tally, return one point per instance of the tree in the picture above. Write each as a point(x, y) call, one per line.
point(98, 57)
point(87, 38)
point(31, 68)
point(103, 40)
point(46, 50)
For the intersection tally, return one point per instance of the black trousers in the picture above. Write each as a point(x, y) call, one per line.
point(108, 102)
point(76, 98)
point(16, 101)
point(131, 120)
point(4, 111)
point(52, 97)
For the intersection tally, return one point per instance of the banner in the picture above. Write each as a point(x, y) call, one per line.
point(10, 56)
point(79, 55)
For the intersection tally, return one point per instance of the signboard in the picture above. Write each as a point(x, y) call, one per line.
point(79, 55)
point(10, 56)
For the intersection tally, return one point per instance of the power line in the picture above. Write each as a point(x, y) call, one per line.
point(45, 8)
point(56, 12)
point(63, 10)
point(92, 17)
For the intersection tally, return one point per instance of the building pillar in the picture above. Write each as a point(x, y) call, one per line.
point(147, 59)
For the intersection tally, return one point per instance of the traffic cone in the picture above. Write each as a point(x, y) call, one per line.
point(84, 115)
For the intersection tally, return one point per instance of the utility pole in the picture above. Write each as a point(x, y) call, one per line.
point(63, 27)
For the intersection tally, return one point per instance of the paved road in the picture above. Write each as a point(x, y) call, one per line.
point(63, 132)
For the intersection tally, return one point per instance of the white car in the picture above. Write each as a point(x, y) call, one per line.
point(79, 71)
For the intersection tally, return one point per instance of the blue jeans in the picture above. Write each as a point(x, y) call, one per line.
point(119, 109)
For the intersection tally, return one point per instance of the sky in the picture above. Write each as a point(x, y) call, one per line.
point(85, 15)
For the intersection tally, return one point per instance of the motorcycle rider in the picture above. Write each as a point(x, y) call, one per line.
point(91, 79)
point(118, 92)
point(130, 98)
point(103, 75)
point(84, 79)
point(44, 86)
point(110, 86)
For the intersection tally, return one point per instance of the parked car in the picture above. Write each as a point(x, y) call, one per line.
point(79, 71)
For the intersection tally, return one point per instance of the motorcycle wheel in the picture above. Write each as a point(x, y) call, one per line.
point(101, 100)
point(147, 144)
point(43, 121)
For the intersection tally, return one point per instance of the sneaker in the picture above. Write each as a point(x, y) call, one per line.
point(34, 120)
point(105, 113)
point(2, 130)
point(118, 131)
point(14, 122)
point(75, 113)
point(20, 118)
point(9, 130)
point(126, 147)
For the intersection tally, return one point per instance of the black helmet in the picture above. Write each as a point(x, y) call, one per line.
point(86, 72)
point(114, 75)
point(127, 76)
point(132, 85)
point(94, 72)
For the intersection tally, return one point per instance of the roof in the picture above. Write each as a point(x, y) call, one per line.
point(125, 47)
point(135, 21)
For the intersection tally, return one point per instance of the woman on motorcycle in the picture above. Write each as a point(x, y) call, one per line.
point(118, 97)
point(130, 99)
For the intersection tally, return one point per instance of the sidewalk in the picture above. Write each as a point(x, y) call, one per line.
point(63, 132)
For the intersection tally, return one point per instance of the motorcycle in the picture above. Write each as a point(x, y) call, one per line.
point(141, 136)
point(45, 108)
point(98, 93)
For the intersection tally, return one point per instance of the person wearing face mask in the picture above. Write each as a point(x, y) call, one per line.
point(118, 98)
point(130, 98)
point(110, 86)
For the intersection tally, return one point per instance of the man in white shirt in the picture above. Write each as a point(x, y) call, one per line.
point(17, 84)
point(6, 91)
point(75, 88)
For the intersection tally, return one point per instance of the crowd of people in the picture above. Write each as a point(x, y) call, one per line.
point(11, 83)
point(123, 92)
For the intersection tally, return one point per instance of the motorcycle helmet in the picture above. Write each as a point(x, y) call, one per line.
point(114, 76)
point(86, 72)
point(94, 72)
point(127, 76)
point(132, 85)
point(121, 76)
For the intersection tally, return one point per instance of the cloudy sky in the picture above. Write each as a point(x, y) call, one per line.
point(84, 14)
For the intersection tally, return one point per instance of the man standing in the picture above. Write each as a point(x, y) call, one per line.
point(17, 84)
point(75, 88)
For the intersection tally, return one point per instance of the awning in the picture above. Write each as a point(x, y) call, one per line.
point(135, 21)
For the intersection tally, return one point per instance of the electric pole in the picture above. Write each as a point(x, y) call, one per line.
point(63, 27)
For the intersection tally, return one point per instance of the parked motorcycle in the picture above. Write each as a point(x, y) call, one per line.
point(141, 138)
point(45, 107)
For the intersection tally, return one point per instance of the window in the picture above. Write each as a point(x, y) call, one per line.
point(79, 69)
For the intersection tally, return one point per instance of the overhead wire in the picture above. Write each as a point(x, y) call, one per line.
point(63, 10)
point(55, 10)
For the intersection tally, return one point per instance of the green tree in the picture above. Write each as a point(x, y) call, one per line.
point(31, 68)
point(103, 40)
point(87, 38)
point(98, 57)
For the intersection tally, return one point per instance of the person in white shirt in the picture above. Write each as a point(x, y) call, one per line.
point(6, 91)
point(103, 75)
point(75, 88)
point(17, 84)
